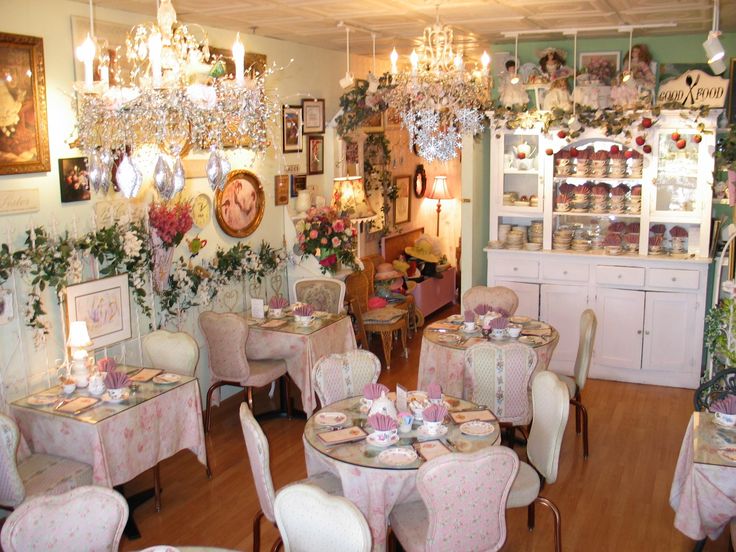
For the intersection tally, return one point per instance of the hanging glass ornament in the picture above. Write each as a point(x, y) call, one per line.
point(106, 161)
point(179, 177)
point(128, 177)
point(214, 169)
point(163, 179)
point(95, 170)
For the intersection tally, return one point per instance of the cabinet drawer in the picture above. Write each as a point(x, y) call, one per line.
point(673, 278)
point(620, 275)
point(566, 272)
point(516, 268)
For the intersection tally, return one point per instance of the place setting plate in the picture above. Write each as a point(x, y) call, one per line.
point(42, 400)
point(167, 378)
point(108, 399)
point(398, 456)
point(330, 419)
point(477, 428)
point(373, 441)
point(422, 432)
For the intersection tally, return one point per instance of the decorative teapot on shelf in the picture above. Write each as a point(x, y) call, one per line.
point(383, 405)
point(523, 156)
point(97, 384)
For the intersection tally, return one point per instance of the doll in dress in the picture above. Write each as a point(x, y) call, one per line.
point(641, 70)
point(553, 67)
point(512, 93)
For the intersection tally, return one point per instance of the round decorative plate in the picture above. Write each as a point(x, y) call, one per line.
point(167, 378)
point(330, 419)
point(728, 453)
point(477, 428)
point(422, 431)
point(42, 400)
point(107, 398)
point(531, 340)
point(448, 338)
point(398, 456)
point(374, 442)
point(722, 424)
point(519, 319)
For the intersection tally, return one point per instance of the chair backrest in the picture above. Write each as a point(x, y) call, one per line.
point(722, 384)
point(369, 267)
point(310, 520)
point(551, 404)
point(342, 375)
point(12, 490)
point(226, 334)
point(472, 488)
point(356, 287)
point(260, 460)
point(499, 378)
point(176, 352)
point(325, 294)
point(588, 325)
point(86, 518)
point(360, 334)
point(498, 296)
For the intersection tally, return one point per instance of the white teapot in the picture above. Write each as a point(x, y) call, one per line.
point(97, 384)
point(524, 150)
point(383, 405)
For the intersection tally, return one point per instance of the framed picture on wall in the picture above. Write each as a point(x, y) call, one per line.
point(24, 142)
point(402, 203)
point(239, 206)
point(603, 65)
point(297, 183)
point(314, 116)
point(73, 179)
point(373, 123)
point(104, 305)
point(292, 128)
point(281, 189)
point(732, 94)
point(316, 149)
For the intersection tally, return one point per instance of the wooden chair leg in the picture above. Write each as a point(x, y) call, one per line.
point(287, 384)
point(277, 545)
point(386, 338)
point(558, 520)
point(208, 409)
point(257, 531)
point(530, 517)
point(157, 486)
point(404, 330)
point(249, 394)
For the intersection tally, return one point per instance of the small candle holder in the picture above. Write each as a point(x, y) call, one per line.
point(486, 333)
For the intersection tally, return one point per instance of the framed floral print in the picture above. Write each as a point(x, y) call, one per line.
point(104, 305)
point(316, 149)
point(292, 128)
point(24, 137)
point(239, 206)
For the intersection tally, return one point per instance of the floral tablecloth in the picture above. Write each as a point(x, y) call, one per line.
point(127, 440)
point(703, 495)
point(444, 362)
point(301, 349)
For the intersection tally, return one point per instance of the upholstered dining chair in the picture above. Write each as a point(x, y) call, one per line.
point(176, 352)
point(463, 504)
point(37, 474)
point(551, 408)
point(498, 296)
point(324, 294)
point(588, 325)
point(226, 334)
point(498, 376)
point(88, 518)
point(311, 520)
point(260, 464)
point(341, 375)
point(384, 321)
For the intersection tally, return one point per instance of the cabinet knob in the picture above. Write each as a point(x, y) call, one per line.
point(564, 272)
point(516, 268)
point(646, 332)
point(674, 279)
point(619, 276)
point(638, 332)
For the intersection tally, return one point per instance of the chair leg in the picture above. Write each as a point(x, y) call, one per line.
point(208, 409)
point(157, 486)
point(530, 517)
point(277, 545)
point(257, 531)
point(404, 330)
point(386, 339)
point(249, 395)
point(287, 382)
point(575, 400)
point(558, 520)
point(584, 414)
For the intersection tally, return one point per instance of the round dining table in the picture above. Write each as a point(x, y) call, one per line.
point(372, 485)
point(442, 356)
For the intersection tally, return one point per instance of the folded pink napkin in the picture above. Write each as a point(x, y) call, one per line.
point(278, 302)
point(499, 323)
point(482, 309)
point(116, 380)
point(303, 310)
point(469, 316)
point(434, 413)
point(726, 405)
point(434, 391)
point(107, 364)
point(373, 391)
point(381, 422)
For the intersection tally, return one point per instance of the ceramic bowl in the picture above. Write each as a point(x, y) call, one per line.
point(724, 419)
point(69, 388)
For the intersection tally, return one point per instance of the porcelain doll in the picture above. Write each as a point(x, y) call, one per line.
point(641, 69)
point(512, 93)
point(553, 67)
point(625, 94)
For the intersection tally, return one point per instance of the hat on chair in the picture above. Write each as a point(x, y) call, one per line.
point(422, 250)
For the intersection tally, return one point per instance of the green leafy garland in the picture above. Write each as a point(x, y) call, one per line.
point(720, 327)
point(358, 106)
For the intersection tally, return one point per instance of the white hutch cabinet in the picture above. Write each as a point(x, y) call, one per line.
point(649, 295)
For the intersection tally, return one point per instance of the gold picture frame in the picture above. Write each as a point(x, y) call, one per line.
point(239, 206)
point(24, 142)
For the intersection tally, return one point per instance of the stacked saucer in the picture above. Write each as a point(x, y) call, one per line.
point(535, 232)
point(581, 202)
point(635, 169)
point(510, 197)
point(562, 238)
point(515, 239)
point(503, 230)
point(618, 203)
point(634, 204)
point(599, 203)
point(617, 165)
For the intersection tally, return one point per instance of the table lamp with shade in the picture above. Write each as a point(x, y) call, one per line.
point(439, 192)
point(348, 194)
point(78, 342)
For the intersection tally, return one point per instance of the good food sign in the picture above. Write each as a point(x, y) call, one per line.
point(694, 89)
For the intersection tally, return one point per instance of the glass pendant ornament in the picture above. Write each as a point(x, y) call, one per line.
point(214, 169)
point(128, 177)
point(163, 178)
point(95, 170)
point(106, 161)
point(178, 177)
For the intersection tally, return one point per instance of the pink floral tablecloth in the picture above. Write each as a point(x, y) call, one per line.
point(374, 491)
point(127, 443)
point(301, 351)
point(703, 496)
point(445, 364)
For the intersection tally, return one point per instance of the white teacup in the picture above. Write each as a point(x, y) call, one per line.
point(432, 428)
point(117, 394)
point(726, 419)
point(405, 420)
point(277, 313)
point(69, 388)
point(498, 333)
point(469, 326)
point(385, 436)
point(514, 331)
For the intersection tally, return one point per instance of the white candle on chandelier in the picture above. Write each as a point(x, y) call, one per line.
point(239, 58)
point(154, 57)
point(414, 59)
point(105, 74)
point(485, 61)
point(86, 54)
point(458, 62)
point(394, 57)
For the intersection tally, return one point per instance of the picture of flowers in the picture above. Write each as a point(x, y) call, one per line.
point(602, 66)
point(105, 305)
point(73, 180)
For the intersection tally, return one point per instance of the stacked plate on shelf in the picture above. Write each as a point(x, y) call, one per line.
point(515, 239)
point(509, 198)
point(535, 232)
point(617, 168)
point(637, 164)
point(503, 230)
point(562, 238)
point(580, 203)
point(634, 204)
point(599, 203)
point(618, 203)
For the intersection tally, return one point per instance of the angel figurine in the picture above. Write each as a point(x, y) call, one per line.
point(512, 89)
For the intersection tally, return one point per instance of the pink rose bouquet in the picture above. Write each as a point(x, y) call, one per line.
point(329, 236)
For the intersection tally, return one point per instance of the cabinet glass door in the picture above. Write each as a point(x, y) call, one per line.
point(521, 171)
point(676, 184)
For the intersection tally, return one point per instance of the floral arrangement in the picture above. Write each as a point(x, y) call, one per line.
point(329, 236)
point(602, 69)
point(170, 221)
point(720, 332)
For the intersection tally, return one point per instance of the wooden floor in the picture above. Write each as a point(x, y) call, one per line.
point(616, 500)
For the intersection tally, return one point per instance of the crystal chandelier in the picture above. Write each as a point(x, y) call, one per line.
point(172, 95)
point(439, 100)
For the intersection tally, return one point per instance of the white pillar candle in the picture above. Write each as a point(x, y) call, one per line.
point(86, 54)
point(154, 57)
point(239, 58)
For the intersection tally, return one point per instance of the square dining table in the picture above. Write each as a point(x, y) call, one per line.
point(300, 346)
point(120, 440)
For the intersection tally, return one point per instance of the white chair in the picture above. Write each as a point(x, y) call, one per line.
point(454, 487)
point(325, 294)
point(176, 352)
point(310, 520)
point(88, 518)
point(499, 297)
point(37, 474)
point(588, 325)
point(260, 464)
point(551, 408)
point(341, 375)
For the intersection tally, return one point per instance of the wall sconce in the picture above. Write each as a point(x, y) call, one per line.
point(78, 342)
point(439, 192)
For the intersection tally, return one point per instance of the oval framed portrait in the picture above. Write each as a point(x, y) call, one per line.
point(240, 204)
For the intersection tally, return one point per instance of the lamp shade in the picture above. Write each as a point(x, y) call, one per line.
point(78, 334)
point(713, 48)
point(439, 189)
point(348, 194)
